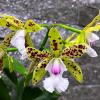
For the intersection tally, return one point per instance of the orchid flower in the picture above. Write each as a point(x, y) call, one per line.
point(88, 37)
point(15, 24)
point(91, 37)
point(56, 62)
point(20, 38)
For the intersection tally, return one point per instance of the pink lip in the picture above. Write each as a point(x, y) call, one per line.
point(92, 43)
point(56, 69)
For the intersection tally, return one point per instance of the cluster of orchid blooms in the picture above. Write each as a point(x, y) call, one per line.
point(58, 59)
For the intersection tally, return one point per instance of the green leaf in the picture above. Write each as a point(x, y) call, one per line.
point(12, 76)
point(30, 93)
point(5, 62)
point(18, 67)
point(28, 78)
point(4, 93)
point(11, 64)
point(20, 88)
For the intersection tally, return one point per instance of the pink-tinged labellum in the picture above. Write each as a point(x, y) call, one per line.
point(92, 43)
point(56, 69)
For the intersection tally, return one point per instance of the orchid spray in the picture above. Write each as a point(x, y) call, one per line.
point(58, 58)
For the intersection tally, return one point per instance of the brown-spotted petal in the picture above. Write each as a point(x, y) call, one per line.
point(34, 53)
point(74, 69)
point(74, 51)
point(56, 43)
point(39, 71)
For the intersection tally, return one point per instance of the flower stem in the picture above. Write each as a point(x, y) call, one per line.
point(11, 49)
point(44, 41)
point(45, 25)
point(67, 27)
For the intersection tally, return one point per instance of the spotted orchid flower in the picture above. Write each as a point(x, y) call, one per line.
point(56, 62)
point(88, 36)
point(20, 38)
point(91, 37)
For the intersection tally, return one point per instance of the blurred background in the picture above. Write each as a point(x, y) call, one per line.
point(77, 13)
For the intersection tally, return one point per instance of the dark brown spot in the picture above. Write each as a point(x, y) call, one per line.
point(60, 43)
point(68, 52)
point(44, 65)
point(16, 21)
point(80, 46)
point(36, 52)
point(74, 50)
point(8, 24)
point(74, 67)
point(63, 60)
point(54, 40)
point(31, 24)
point(59, 38)
point(68, 63)
point(36, 70)
point(71, 53)
point(55, 46)
point(30, 49)
point(33, 54)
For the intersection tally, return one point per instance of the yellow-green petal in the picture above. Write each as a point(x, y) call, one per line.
point(74, 51)
point(11, 22)
point(94, 25)
point(56, 43)
point(39, 71)
point(31, 26)
point(36, 54)
point(28, 40)
point(2, 50)
point(74, 69)
point(8, 38)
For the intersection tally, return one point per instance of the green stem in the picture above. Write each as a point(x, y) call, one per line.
point(44, 41)
point(11, 49)
point(45, 25)
point(67, 27)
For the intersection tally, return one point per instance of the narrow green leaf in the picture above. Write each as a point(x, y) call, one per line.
point(20, 88)
point(18, 67)
point(12, 76)
point(11, 64)
point(4, 93)
point(30, 93)
point(28, 78)
point(5, 62)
